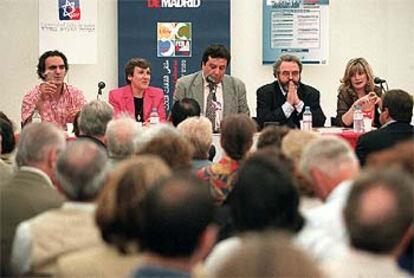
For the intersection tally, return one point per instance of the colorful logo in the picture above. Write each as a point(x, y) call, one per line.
point(174, 39)
point(69, 10)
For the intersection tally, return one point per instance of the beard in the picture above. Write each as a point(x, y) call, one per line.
point(285, 85)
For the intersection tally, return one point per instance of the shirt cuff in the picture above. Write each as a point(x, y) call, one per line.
point(299, 106)
point(287, 109)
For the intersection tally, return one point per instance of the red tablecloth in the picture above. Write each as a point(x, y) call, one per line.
point(348, 134)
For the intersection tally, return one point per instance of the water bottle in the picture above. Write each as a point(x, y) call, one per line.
point(36, 117)
point(307, 119)
point(358, 119)
point(154, 119)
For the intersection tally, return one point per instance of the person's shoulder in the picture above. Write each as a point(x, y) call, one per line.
point(268, 87)
point(309, 89)
point(187, 78)
point(154, 91)
point(119, 90)
point(233, 79)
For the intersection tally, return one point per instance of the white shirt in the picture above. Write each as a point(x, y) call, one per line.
point(357, 263)
point(324, 234)
point(289, 108)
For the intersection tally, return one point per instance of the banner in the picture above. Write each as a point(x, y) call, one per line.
point(298, 27)
point(171, 35)
point(69, 26)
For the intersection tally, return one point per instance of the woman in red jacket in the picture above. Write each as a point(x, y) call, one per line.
point(137, 98)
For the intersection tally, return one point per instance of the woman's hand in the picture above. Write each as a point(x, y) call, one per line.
point(368, 101)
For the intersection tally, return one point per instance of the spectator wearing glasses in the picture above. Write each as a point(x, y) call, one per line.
point(284, 100)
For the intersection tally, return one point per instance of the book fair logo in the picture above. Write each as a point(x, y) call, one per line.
point(174, 39)
point(69, 10)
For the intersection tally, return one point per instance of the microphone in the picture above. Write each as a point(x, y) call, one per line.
point(211, 79)
point(101, 85)
point(378, 80)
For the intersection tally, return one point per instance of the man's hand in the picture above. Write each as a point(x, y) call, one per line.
point(47, 90)
point(292, 94)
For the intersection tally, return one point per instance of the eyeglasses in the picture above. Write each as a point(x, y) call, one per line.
point(287, 74)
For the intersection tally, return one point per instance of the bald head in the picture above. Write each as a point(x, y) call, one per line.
point(379, 210)
point(81, 170)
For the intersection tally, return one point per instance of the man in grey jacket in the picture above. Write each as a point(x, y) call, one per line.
point(218, 94)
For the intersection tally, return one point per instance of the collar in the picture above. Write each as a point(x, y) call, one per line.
point(281, 88)
point(39, 172)
point(388, 123)
point(340, 191)
point(84, 206)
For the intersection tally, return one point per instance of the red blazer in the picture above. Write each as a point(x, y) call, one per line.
point(122, 101)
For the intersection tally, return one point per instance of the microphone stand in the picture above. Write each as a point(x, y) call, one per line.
point(101, 85)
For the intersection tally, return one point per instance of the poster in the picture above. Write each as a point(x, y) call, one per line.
point(171, 35)
point(69, 26)
point(299, 27)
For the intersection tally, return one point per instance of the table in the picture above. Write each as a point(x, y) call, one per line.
point(346, 133)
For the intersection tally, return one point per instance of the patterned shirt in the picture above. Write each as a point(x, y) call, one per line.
point(53, 110)
point(220, 178)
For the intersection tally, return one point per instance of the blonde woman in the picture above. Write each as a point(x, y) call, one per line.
point(358, 88)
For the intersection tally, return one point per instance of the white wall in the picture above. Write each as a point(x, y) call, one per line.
point(379, 30)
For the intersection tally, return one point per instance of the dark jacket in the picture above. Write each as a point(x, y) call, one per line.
point(270, 100)
point(383, 138)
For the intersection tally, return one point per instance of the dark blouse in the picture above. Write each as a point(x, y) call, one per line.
point(139, 113)
point(345, 100)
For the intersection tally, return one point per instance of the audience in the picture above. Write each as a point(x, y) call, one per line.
point(120, 135)
point(400, 156)
point(272, 136)
point(378, 216)
point(330, 164)
point(166, 142)
point(236, 139)
point(31, 190)
point(121, 200)
point(395, 118)
point(93, 119)
point(39, 241)
point(177, 227)
point(293, 145)
point(255, 206)
point(266, 255)
point(183, 109)
point(198, 131)
point(8, 143)
point(54, 100)
point(118, 217)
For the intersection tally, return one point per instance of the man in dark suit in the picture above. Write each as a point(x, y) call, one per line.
point(284, 100)
point(31, 190)
point(395, 118)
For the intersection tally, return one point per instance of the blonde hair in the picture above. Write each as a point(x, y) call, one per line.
point(197, 130)
point(357, 65)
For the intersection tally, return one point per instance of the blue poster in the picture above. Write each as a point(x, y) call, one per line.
point(299, 27)
point(171, 35)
